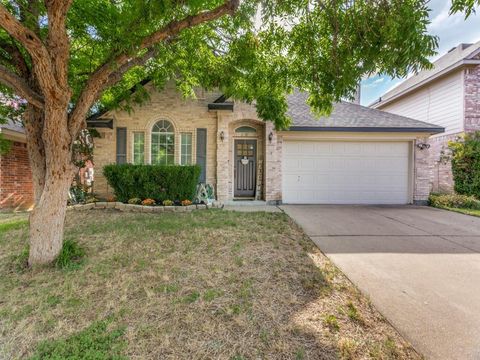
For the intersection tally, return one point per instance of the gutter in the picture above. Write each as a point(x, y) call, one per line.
point(430, 130)
point(13, 135)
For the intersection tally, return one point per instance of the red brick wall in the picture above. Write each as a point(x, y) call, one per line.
point(16, 188)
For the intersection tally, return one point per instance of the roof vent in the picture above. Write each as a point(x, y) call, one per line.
point(460, 47)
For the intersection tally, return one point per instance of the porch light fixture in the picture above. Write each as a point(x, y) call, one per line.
point(270, 136)
point(423, 146)
point(222, 135)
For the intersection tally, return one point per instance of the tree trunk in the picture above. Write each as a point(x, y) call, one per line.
point(48, 217)
point(33, 121)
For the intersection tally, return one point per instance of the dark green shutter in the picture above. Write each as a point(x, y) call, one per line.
point(202, 153)
point(121, 145)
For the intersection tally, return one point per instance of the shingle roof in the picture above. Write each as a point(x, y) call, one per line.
point(351, 117)
point(447, 62)
point(13, 126)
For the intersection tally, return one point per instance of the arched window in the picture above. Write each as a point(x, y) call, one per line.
point(245, 129)
point(163, 143)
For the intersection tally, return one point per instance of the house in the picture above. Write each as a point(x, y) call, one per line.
point(357, 155)
point(447, 95)
point(16, 186)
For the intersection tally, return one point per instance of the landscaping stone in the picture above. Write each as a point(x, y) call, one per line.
point(100, 205)
point(88, 206)
point(141, 208)
point(121, 206)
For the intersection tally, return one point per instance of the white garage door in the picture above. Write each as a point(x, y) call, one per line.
point(339, 172)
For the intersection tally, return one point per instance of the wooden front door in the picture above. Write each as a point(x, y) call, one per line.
point(245, 168)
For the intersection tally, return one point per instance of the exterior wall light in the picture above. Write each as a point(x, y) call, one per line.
point(423, 146)
point(222, 135)
point(270, 136)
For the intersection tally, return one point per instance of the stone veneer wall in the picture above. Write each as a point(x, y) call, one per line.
point(472, 99)
point(441, 179)
point(16, 187)
point(422, 173)
point(187, 116)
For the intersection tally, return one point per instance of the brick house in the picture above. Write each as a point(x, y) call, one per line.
point(16, 187)
point(447, 95)
point(356, 156)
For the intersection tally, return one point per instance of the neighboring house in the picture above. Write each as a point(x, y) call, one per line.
point(447, 95)
point(356, 156)
point(16, 187)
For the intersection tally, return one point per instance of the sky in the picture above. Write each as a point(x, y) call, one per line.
point(451, 30)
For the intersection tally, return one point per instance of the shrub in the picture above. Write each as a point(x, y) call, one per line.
point(134, 201)
point(454, 201)
point(186, 202)
point(466, 164)
point(148, 202)
point(158, 182)
point(168, 203)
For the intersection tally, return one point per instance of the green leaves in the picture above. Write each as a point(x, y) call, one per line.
point(260, 54)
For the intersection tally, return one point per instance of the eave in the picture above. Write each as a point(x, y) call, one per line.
point(377, 104)
point(435, 130)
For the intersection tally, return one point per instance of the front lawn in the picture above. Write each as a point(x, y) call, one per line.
point(472, 212)
point(201, 285)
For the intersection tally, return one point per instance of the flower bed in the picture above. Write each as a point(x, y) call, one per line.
point(144, 208)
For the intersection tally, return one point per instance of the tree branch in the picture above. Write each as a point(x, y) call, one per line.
point(35, 47)
point(57, 40)
point(16, 58)
point(102, 76)
point(20, 86)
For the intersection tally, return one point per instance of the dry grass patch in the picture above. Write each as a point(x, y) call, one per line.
point(202, 285)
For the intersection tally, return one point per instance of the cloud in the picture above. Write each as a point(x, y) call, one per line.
point(451, 31)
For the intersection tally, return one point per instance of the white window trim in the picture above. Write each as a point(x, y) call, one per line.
point(174, 133)
point(144, 146)
point(191, 147)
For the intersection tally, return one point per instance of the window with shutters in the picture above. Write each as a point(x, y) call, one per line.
point(186, 149)
point(121, 145)
point(163, 143)
point(138, 147)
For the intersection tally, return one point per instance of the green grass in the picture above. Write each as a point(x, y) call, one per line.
point(13, 224)
point(208, 284)
point(471, 212)
point(94, 342)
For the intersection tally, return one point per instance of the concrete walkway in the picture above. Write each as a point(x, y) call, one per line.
point(420, 267)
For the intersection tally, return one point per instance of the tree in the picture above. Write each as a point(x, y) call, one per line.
point(69, 58)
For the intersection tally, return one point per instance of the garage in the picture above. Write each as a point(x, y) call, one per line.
point(346, 172)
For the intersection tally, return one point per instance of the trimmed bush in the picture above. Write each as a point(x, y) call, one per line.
point(454, 201)
point(158, 182)
point(466, 164)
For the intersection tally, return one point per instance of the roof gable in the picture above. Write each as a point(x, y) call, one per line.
point(463, 54)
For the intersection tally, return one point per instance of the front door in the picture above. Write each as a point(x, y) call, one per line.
point(245, 169)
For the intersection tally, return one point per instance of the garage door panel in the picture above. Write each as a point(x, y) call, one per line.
point(345, 172)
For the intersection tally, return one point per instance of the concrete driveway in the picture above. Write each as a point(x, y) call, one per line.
point(420, 267)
